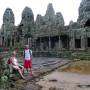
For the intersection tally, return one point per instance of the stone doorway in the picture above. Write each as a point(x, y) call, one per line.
point(87, 24)
point(37, 44)
point(45, 44)
point(8, 42)
point(3, 43)
point(88, 42)
point(18, 39)
point(65, 41)
point(12, 42)
point(77, 43)
point(54, 41)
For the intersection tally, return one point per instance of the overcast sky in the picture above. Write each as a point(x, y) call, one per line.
point(68, 8)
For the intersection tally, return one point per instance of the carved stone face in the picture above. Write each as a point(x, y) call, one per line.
point(50, 10)
point(27, 14)
point(27, 20)
point(8, 16)
point(59, 19)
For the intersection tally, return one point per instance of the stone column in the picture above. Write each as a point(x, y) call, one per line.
point(49, 43)
point(60, 43)
point(83, 41)
point(22, 40)
point(1, 41)
point(11, 41)
point(72, 43)
point(35, 45)
point(40, 43)
point(29, 42)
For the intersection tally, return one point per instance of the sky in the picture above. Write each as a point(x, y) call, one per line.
point(68, 8)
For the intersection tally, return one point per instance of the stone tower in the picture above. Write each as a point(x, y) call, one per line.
point(39, 23)
point(26, 26)
point(8, 16)
point(27, 21)
point(8, 28)
point(50, 11)
point(50, 15)
point(59, 21)
point(84, 13)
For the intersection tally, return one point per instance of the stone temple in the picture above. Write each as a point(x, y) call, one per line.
point(48, 32)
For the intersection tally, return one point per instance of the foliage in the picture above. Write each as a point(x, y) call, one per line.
point(4, 78)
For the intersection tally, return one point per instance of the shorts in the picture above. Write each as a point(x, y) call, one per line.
point(28, 63)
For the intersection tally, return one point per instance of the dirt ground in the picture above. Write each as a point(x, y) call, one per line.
point(74, 77)
point(81, 67)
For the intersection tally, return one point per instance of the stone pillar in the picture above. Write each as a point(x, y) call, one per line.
point(22, 40)
point(40, 44)
point(49, 43)
point(29, 42)
point(72, 43)
point(1, 41)
point(83, 41)
point(35, 44)
point(11, 41)
point(60, 43)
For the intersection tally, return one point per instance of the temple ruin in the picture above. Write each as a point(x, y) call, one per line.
point(48, 32)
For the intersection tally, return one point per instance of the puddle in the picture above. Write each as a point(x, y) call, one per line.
point(53, 80)
point(84, 86)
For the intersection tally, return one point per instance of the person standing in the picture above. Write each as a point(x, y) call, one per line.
point(27, 54)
